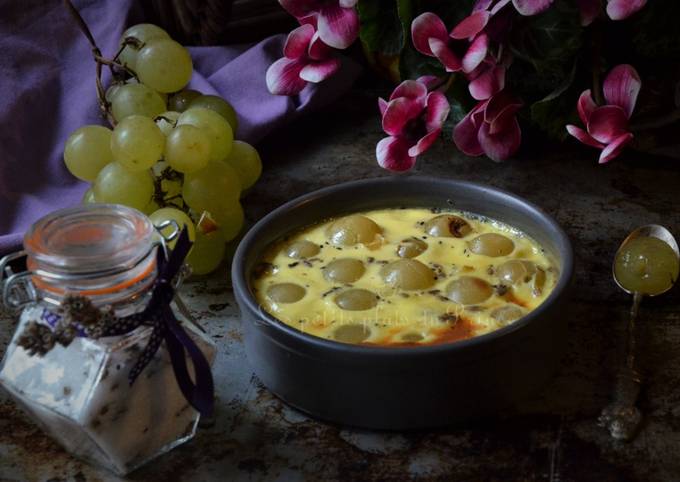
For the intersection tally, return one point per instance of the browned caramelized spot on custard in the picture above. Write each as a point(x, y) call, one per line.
point(461, 330)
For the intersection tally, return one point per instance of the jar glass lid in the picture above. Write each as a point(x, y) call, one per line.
point(89, 238)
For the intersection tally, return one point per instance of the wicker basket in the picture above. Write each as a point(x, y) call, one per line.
point(211, 22)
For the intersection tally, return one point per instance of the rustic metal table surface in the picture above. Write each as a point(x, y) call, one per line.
point(552, 437)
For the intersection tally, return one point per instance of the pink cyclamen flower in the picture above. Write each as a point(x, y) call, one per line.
point(479, 65)
point(607, 125)
point(306, 59)
point(487, 79)
point(413, 119)
point(490, 128)
point(336, 20)
point(622, 9)
point(616, 9)
point(431, 38)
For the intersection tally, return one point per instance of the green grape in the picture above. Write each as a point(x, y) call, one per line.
point(87, 151)
point(219, 105)
point(136, 99)
point(172, 214)
point(112, 91)
point(229, 218)
point(246, 161)
point(218, 130)
point(166, 121)
point(88, 197)
point(646, 265)
point(207, 252)
point(216, 184)
point(163, 96)
point(116, 184)
point(180, 101)
point(187, 149)
point(137, 143)
point(164, 65)
point(142, 32)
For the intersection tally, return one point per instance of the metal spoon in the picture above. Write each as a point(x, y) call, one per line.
point(622, 417)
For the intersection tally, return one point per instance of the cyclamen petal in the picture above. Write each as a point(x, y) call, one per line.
point(583, 136)
point(445, 55)
point(382, 106)
point(531, 7)
point(488, 83)
point(299, 8)
point(589, 10)
point(398, 113)
point(283, 77)
point(585, 106)
point(622, 9)
point(437, 111)
point(392, 154)
point(311, 19)
point(429, 81)
point(471, 25)
point(348, 3)
point(496, 8)
point(424, 143)
point(423, 28)
point(504, 119)
point(621, 87)
point(465, 133)
point(411, 89)
point(476, 53)
point(319, 71)
point(502, 145)
point(606, 123)
point(297, 42)
point(497, 107)
point(615, 147)
point(482, 5)
point(318, 50)
point(338, 27)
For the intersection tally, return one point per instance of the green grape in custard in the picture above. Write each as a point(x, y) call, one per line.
point(353, 229)
point(646, 265)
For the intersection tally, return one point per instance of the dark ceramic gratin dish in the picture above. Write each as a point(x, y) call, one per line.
point(415, 387)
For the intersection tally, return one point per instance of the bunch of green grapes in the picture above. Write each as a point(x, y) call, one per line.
point(171, 153)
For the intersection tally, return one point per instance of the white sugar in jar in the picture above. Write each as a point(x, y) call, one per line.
point(79, 393)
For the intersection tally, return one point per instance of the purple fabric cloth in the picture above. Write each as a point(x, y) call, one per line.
point(47, 90)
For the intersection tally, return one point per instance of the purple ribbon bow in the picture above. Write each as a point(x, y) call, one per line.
point(166, 328)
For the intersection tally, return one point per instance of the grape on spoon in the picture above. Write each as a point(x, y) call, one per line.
point(646, 263)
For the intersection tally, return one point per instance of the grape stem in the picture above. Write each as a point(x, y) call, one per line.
point(113, 64)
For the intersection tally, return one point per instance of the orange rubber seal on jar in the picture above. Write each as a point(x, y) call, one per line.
point(40, 284)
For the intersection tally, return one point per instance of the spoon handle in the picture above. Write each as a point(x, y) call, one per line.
point(622, 417)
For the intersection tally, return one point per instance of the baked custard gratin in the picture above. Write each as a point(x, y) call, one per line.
point(403, 277)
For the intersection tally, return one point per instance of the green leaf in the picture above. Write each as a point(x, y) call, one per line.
point(544, 48)
point(405, 13)
point(413, 64)
point(555, 110)
point(381, 28)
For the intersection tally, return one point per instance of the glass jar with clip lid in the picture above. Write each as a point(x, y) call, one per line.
point(98, 359)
